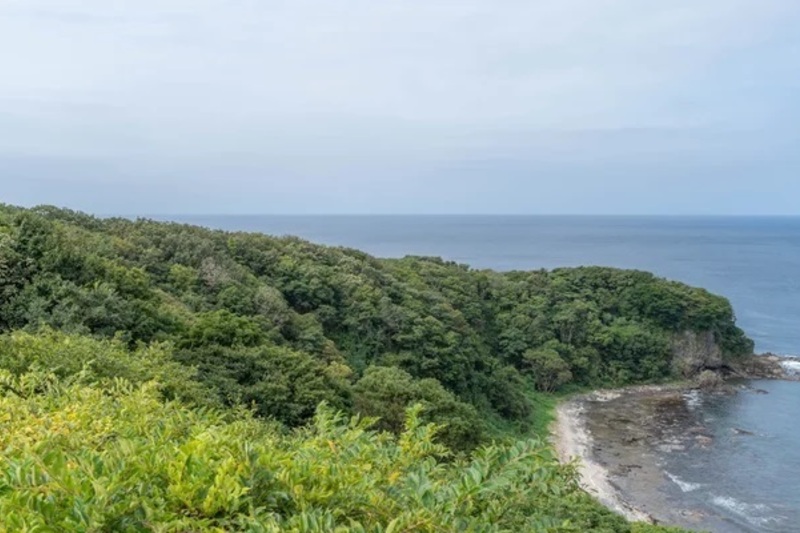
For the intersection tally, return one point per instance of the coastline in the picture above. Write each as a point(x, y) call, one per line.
point(573, 441)
point(616, 448)
point(769, 366)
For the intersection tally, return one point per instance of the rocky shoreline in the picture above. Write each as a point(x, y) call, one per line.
point(766, 366)
point(617, 447)
point(573, 442)
point(697, 353)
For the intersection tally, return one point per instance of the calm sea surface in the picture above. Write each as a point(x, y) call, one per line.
point(752, 481)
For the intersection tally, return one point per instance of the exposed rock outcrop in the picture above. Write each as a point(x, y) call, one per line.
point(709, 380)
point(693, 352)
point(698, 356)
point(767, 366)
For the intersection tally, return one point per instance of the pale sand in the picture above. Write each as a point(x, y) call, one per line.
point(572, 441)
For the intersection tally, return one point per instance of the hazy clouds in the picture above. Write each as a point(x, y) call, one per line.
point(262, 106)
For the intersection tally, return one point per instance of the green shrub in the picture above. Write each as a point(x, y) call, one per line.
point(119, 458)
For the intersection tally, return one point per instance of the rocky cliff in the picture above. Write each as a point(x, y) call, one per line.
point(695, 354)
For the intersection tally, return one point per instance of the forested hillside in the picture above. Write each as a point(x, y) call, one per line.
point(99, 316)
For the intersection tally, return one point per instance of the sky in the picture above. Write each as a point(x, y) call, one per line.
point(415, 106)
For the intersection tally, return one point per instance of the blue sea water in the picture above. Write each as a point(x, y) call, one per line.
point(750, 476)
point(751, 481)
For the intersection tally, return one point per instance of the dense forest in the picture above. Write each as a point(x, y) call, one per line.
point(164, 377)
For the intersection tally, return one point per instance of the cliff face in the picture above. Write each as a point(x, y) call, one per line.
point(694, 352)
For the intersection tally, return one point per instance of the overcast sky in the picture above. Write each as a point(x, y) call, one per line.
point(404, 106)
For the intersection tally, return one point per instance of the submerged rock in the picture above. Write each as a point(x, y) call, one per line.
point(704, 441)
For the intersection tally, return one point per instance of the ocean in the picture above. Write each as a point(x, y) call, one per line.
point(748, 480)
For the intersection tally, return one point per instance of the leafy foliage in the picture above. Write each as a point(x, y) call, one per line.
point(280, 324)
point(547, 369)
point(162, 377)
point(80, 457)
point(79, 359)
point(384, 393)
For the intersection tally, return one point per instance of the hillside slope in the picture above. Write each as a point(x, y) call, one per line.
point(164, 377)
point(283, 324)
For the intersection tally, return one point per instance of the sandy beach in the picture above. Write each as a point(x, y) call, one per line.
point(573, 441)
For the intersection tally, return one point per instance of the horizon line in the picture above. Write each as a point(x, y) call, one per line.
point(487, 215)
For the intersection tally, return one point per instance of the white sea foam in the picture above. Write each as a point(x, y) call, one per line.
point(693, 398)
point(755, 513)
point(791, 366)
point(685, 486)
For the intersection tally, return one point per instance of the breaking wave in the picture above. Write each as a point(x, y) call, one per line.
point(792, 366)
point(756, 513)
point(685, 486)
